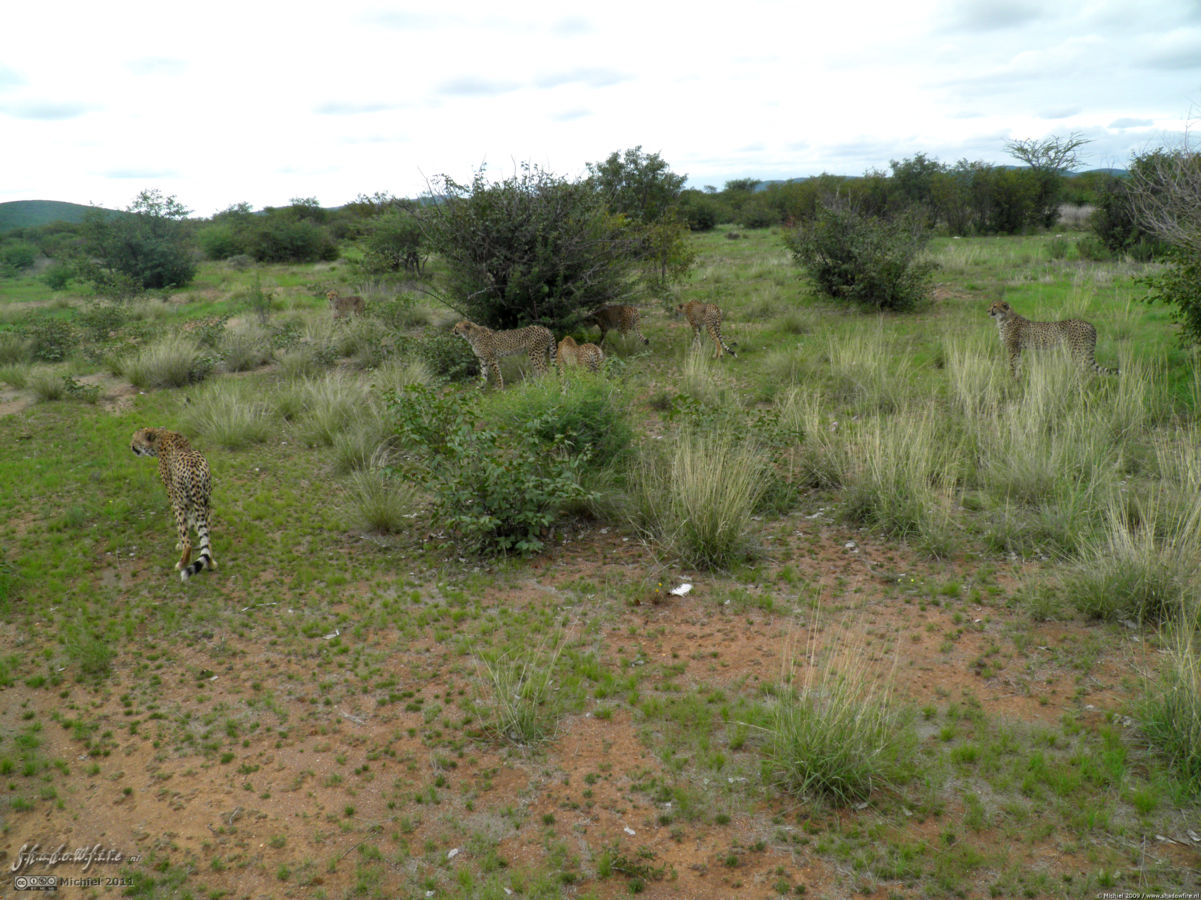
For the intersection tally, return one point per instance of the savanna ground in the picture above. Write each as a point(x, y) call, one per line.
point(339, 712)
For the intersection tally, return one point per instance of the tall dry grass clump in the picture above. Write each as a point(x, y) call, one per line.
point(1171, 708)
point(172, 361)
point(230, 414)
point(834, 731)
point(1144, 566)
point(244, 347)
point(379, 501)
point(696, 498)
point(331, 403)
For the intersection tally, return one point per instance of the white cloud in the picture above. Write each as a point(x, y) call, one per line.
point(231, 102)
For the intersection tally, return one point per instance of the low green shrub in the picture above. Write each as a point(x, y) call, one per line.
point(496, 489)
point(866, 260)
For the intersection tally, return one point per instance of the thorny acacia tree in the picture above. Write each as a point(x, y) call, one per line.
point(1050, 159)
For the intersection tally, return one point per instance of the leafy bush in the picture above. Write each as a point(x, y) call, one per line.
point(394, 243)
point(533, 249)
point(865, 260)
point(58, 275)
point(279, 238)
point(496, 490)
point(582, 415)
point(148, 247)
point(758, 212)
point(1179, 286)
point(50, 340)
point(17, 255)
point(220, 241)
point(701, 213)
point(448, 356)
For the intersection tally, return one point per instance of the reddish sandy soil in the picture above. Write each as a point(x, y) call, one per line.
point(355, 774)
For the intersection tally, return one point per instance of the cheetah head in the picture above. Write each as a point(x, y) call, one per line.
point(145, 441)
point(1000, 310)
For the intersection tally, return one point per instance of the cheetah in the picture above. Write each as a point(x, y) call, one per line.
point(707, 316)
point(185, 474)
point(489, 346)
point(619, 317)
point(1018, 334)
point(343, 306)
point(590, 356)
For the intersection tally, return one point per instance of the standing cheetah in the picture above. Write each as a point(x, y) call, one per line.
point(185, 475)
point(344, 306)
point(1018, 334)
point(707, 316)
point(590, 356)
point(617, 317)
point(489, 346)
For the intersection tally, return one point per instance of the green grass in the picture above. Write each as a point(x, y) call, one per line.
point(352, 653)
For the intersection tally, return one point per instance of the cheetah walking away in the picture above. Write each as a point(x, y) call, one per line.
point(708, 317)
point(344, 306)
point(185, 475)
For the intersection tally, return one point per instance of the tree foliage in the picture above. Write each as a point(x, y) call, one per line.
point(642, 188)
point(1049, 159)
point(148, 247)
point(532, 249)
point(1165, 194)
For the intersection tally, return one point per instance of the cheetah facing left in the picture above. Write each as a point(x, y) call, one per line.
point(185, 475)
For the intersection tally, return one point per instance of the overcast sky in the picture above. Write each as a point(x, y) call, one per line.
point(226, 102)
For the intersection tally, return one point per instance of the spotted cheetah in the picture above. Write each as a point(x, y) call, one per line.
point(489, 346)
point(344, 306)
point(185, 475)
point(590, 356)
point(617, 317)
point(707, 316)
point(1018, 334)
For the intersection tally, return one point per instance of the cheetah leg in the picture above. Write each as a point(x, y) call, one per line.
point(185, 542)
point(495, 367)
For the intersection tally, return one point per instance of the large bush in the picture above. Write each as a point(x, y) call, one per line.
point(866, 260)
point(393, 242)
point(146, 248)
point(280, 237)
point(533, 248)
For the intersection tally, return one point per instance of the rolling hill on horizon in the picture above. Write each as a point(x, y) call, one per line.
point(35, 213)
